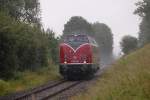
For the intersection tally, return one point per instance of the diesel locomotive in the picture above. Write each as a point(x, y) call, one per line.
point(79, 56)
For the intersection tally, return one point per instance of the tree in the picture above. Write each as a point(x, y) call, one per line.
point(22, 47)
point(27, 11)
point(77, 25)
point(103, 36)
point(128, 44)
point(53, 45)
point(8, 59)
point(143, 11)
point(144, 34)
point(32, 11)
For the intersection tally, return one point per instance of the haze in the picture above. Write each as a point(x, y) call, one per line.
point(117, 14)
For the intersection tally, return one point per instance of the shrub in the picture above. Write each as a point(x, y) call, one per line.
point(22, 47)
point(128, 44)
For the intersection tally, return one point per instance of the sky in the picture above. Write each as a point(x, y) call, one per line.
point(117, 14)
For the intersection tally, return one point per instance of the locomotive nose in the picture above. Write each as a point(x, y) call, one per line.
point(74, 57)
point(82, 54)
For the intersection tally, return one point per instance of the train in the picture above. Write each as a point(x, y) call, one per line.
point(79, 56)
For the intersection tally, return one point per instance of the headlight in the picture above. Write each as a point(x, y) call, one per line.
point(84, 62)
point(65, 59)
point(84, 58)
point(65, 62)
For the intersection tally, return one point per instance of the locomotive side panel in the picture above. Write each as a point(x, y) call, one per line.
point(96, 53)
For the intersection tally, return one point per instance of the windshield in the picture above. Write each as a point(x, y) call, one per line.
point(76, 41)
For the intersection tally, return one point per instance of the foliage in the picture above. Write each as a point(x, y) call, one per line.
point(103, 36)
point(144, 34)
point(23, 43)
point(28, 79)
point(127, 79)
point(143, 11)
point(128, 44)
point(77, 25)
point(4, 87)
point(22, 10)
point(53, 45)
point(7, 48)
point(22, 47)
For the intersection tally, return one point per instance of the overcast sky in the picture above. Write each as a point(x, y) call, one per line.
point(117, 14)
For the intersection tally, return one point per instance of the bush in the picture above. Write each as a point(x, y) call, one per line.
point(22, 47)
point(128, 44)
point(4, 87)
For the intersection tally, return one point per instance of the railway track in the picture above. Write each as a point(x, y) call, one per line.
point(44, 92)
point(51, 90)
point(71, 85)
point(32, 94)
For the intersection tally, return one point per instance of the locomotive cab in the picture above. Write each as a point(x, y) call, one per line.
point(78, 56)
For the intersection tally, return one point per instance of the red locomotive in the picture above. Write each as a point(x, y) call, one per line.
point(79, 56)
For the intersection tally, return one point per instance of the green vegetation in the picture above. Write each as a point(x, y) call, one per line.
point(127, 79)
point(28, 79)
point(28, 53)
point(27, 11)
point(128, 44)
point(143, 10)
point(78, 25)
point(22, 47)
point(104, 37)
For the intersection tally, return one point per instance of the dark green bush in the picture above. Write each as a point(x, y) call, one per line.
point(22, 47)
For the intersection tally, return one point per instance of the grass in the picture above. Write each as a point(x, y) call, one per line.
point(28, 80)
point(127, 79)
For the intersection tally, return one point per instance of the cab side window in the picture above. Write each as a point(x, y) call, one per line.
point(92, 41)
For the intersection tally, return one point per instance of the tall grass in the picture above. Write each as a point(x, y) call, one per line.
point(128, 79)
point(28, 79)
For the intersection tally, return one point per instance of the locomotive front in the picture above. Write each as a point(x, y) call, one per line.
point(76, 57)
